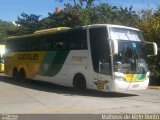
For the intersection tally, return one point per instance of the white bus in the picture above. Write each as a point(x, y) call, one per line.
point(101, 57)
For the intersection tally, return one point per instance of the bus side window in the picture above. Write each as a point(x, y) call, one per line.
point(49, 45)
point(19, 45)
point(28, 44)
point(9, 46)
point(61, 41)
point(34, 44)
point(43, 44)
point(78, 39)
point(23, 45)
point(60, 44)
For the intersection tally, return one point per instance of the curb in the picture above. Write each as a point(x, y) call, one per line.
point(154, 87)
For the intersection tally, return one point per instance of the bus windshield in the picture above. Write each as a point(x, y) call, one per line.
point(131, 57)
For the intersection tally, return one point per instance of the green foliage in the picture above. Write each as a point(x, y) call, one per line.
point(104, 13)
point(27, 24)
point(81, 3)
point(4, 28)
point(70, 16)
point(149, 24)
point(83, 12)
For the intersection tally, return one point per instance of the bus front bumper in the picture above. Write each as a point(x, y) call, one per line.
point(119, 85)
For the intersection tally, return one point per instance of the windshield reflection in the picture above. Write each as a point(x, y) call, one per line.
point(131, 58)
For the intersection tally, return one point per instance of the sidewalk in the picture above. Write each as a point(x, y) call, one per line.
point(154, 87)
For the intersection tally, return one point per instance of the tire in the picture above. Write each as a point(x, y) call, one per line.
point(22, 75)
point(15, 74)
point(79, 82)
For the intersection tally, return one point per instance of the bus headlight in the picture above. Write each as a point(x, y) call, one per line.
point(119, 78)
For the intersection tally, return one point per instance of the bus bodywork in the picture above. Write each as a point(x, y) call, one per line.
point(100, 57)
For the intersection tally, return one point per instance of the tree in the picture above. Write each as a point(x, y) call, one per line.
point(81, 3)
point(149, 24)
point(104, 13)
point(4, 28)
point(28, 24)
point(76, 15)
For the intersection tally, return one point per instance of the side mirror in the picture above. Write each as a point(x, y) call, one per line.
point(152, 49)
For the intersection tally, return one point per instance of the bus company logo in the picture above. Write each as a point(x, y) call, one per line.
point(27, 56)
point(100, 84)
point(79, 58)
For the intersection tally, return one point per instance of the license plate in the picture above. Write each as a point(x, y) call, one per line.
point(135, 86)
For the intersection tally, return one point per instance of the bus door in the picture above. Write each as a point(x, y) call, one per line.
point(100, 55)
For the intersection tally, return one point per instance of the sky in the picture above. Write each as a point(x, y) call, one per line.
point(11, 9)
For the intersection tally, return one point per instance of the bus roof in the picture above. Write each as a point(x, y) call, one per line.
point(53, 30)
point(50, 30)
point(111, 25)
point(40, 32)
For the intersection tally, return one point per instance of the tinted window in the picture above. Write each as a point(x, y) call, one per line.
point(78, 39)
point(100, 50)
point(75, 39)
point(54, 42)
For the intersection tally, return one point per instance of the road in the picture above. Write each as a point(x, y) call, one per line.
point(39, 97)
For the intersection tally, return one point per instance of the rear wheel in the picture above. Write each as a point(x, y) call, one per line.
point(79, 81)
point(22, 75)
point(15, 74)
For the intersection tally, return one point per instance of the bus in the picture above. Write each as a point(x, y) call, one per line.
point(101, 57)
point(2, 51)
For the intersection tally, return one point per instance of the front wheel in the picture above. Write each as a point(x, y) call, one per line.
point(79, 81)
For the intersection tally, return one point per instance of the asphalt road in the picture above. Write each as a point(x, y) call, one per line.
point(39, 97)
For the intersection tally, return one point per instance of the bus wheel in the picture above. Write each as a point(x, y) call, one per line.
point(22, 75)
point(15, 74)
point(79, 81)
